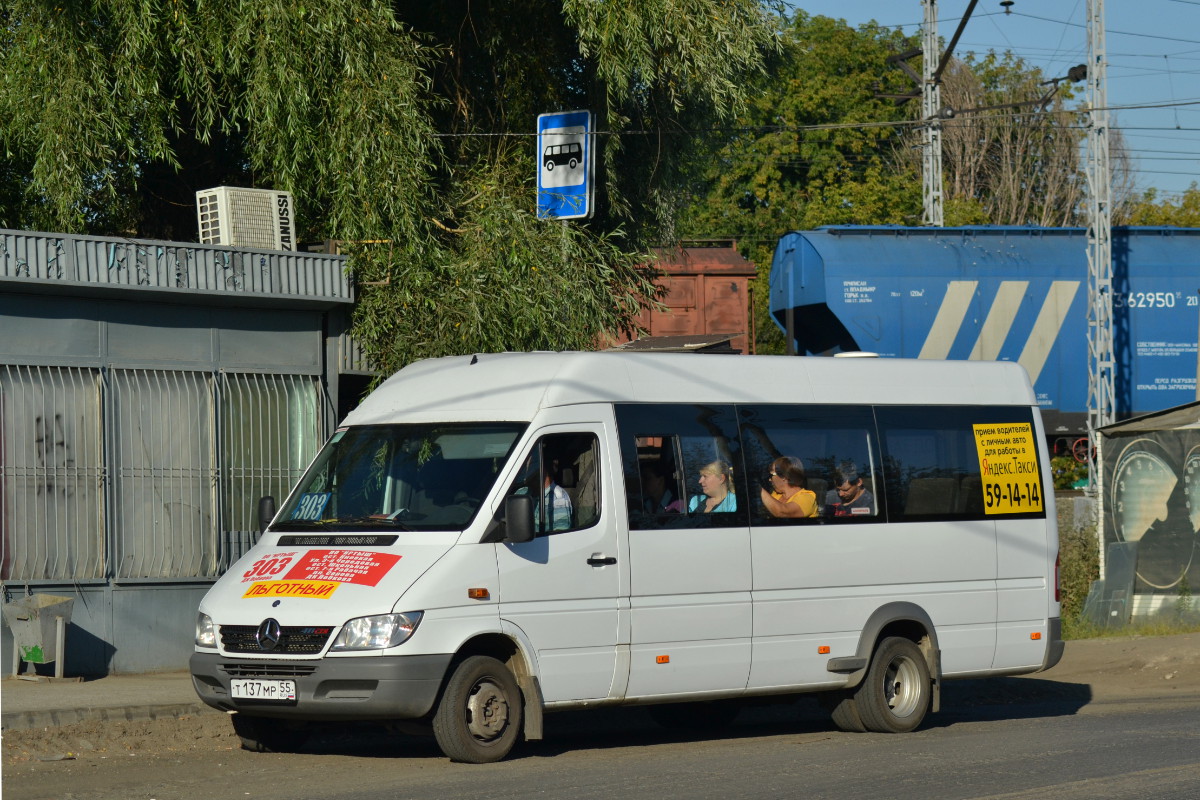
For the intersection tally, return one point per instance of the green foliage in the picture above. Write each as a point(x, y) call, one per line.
point(1158, 625)
point(772, 172)
point(1079, 565)
point(1067, 471)
point(464, 300)
point(1183, 212)
point(1184, 605)
point(124, 109)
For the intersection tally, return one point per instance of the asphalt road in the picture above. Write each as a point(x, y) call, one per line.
point(1117, 718)
point(1060, 745)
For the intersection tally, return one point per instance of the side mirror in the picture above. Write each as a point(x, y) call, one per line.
point(518, 518)
point(266, 512)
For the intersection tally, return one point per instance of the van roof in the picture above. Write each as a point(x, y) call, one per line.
point(514, 386)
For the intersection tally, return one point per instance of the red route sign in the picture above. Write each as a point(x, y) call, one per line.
point(345, 566)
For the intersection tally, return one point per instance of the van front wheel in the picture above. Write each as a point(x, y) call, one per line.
point(479, 717)
point(896, 692)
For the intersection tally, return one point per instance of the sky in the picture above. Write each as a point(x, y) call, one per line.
point(1153, 59)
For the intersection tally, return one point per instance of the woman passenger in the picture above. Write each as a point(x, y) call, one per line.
point(717, 484)
point(791, 497)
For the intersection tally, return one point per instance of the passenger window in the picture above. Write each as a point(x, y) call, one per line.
point(563, 475)
point(932, 462)
point(682, 466)
point(811, 463)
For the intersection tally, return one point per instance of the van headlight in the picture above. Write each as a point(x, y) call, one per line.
point(206, 632)
point(377, 632)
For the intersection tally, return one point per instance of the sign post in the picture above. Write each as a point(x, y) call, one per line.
point(565, 163)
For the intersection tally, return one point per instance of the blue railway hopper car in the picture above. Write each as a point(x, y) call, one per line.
point(1000, 293)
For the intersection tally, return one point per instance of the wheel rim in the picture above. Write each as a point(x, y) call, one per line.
point(902, 686)
point(487, 711)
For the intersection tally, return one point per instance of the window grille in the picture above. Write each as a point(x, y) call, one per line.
point(165, 478)
point(51, 474)
point(270, 430)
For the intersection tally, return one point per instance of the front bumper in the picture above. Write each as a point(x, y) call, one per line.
point(365, 688)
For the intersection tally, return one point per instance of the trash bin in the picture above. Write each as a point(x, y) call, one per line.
point(33, 620)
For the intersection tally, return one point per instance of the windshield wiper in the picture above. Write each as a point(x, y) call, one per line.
point(371, 520)
point(299, 524)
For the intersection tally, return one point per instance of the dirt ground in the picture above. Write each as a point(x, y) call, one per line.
point(1098, 670)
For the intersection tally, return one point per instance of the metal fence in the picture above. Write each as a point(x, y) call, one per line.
point(143, 474)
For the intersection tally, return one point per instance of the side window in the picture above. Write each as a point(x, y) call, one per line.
point(682, 466)
point(934, 458)
point(563, 475)
point(811, 463)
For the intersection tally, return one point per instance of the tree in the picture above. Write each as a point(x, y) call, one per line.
point(1015, 165)
point(1011, 155)
point(403, 129)
point(814, 147)
point(1183, 212)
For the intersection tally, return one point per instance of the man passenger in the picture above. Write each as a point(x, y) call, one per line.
point(848, 497)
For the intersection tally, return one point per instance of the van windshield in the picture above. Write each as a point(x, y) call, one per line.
point(401, 477)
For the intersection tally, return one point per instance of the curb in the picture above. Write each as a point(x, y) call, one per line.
point(29, 720)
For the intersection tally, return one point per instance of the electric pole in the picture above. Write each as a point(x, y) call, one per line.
point(931, 107)
point(1100, 301)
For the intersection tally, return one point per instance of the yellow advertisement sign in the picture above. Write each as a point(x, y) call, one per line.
point(1008, 464)
point(316, 590)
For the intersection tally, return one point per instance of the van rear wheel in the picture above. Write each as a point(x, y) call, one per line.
point(480, 713)
point(896, 692)
point(844, 711)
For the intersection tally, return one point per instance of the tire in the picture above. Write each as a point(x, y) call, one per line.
point(844, 711)
point(263, 735)
point(695, 717)
point(549, 166)
point(895, 694)
point(573, 164)
point(479, 716)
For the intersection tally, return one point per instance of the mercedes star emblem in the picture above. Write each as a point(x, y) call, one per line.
point(269, 634)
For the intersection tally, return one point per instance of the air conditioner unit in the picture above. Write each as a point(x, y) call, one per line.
point(254, 218)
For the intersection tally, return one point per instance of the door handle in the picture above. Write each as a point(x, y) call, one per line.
point(598, 560)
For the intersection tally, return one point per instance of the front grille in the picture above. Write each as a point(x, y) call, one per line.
point(293, 640)
point(273, 670)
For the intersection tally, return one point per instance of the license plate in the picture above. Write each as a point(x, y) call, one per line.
point(278, 691)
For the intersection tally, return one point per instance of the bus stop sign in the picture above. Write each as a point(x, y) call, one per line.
point(565, 161)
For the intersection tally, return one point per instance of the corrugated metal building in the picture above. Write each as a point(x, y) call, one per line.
point(150, 392)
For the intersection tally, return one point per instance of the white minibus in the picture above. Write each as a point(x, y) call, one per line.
point(490, 538)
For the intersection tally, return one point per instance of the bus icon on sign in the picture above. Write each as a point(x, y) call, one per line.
point(559, 154)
